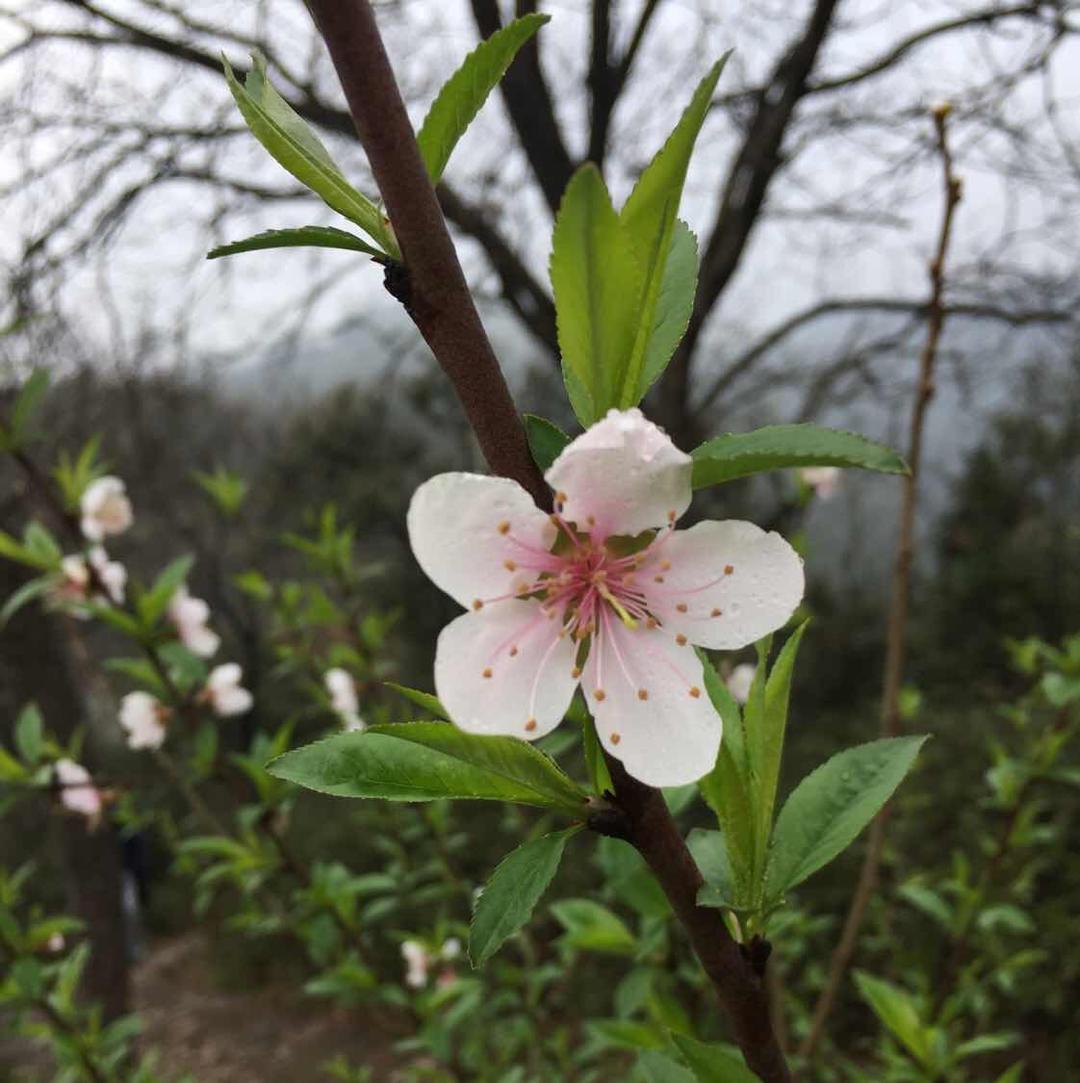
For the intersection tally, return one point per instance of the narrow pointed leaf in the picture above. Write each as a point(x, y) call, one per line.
point(291, 142)
point(649, 219)
point(832, 805)
point(546, 440)
point(303, 237)
point(777, 697)
point(513, 891)
point(425, 761)
point(463, 95)
point(778, 447)
point(710, 852)
point(424, 700)
point(595, 280)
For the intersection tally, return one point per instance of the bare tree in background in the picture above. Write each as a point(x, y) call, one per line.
point(815, 151)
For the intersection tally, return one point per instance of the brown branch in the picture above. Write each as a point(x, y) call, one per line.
point(434, 290)
point(435, 287)
point(896, 631)
point(743, 196)
point(528, 102)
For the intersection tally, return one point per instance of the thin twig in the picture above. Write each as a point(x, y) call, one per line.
point(438, 301)
point(897, 627)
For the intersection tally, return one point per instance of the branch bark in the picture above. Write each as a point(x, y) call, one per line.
point(896, 632)
point(433, 289)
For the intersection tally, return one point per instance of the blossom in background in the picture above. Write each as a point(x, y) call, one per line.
point(56, 943)
point(605, 592)
point(224, 692)
point(105, 508)
point(824, 480)
point(144, 718)
point(189, 617)
point(739, 681)
point(417, 961)
point(75, 584)
point(78, 793)
point(343, 701)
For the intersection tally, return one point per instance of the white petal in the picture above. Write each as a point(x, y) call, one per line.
point(646, 694)
point(140, 716)
point(222, 678)
point(342, 690)
point(477, 537)
point(623, 472)
point(231, 701)
point(506, 669)
point(723, 585)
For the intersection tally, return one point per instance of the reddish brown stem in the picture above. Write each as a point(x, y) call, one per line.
point(897, 627)
point(433, 289)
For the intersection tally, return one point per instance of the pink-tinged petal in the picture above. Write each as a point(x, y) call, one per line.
point(506, 669)
point(646, 694)
point(478, 538)
point(722, 585)
point(622, 476)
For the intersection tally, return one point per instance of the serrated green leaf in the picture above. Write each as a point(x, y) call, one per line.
point(513, 891)
point(301, 237)
point(710, 852)
point(832, 805)
point(648, 220)
point(778, 447)
point(713, 1063)
point(426, 761)
point(465, 92)
point(292, 143)
point(777, 695)
point(546, 440)
point(425, 700)
point(595, 280)
point(674, 305)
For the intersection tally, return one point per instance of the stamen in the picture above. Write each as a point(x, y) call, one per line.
point(504, 527)
point(695, 691)
point(509, 565)
point(681, 639)
point(681, 607)
point(615, 738)
point(575, 672)
point(616, 605)
point(650, 623)
point(717, 613)
point(671, 517)
point(487, 672)
point(600, 695)
point(658, 579)
point(665, 565)
point(530, 725)
point(728, 569)
point(478, 603)
point(643, 693)
point(513, 651)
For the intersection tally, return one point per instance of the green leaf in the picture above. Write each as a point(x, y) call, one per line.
point(713, 1063)
point(710, 852)
point(155, 601)
point(897, 1011)
point(30, 734)
point(592, 927)
point(546, 440)
point(26, 404)
point(424, 700)
point(512, 892)
point(302, 237)
point(832, 805)
point(595, 279)
point(986, 1043)
point(595, 764)
point(777, 447)
point(777, 697)
point(648, 219)
point(657, 1067)
point(674, 305)
point(426, 761)
point(465, 92)
point(28, 592)
point(292, 143)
